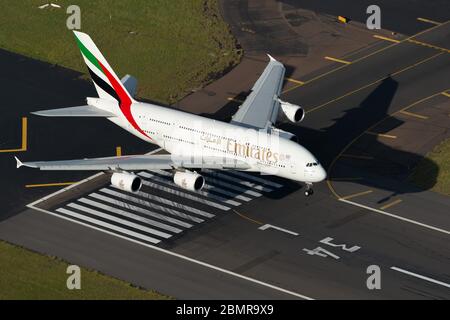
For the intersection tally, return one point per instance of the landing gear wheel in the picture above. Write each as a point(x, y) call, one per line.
point(309, 192)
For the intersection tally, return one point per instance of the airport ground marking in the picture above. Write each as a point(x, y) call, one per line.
point(386, 38)
point(354, 195)
point(337, 60)
point(382, 135)
point(375, 82)
point(347, 179)
point(247, 218)
point(355, 156)
point(391, 204)
point(364, 57)
point(429, 21)
point(412, 114)
point(269, 226)
point(180, 256)
point(427, 226)
point(24, 138)
point(295, 81)
point(432, 46)
point(416, 275)
point(118, 151)
point(52, 184)
point(235, 100)
point(445, 94)
point(330, 168)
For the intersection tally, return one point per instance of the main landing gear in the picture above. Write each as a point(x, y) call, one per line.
point(309, 190)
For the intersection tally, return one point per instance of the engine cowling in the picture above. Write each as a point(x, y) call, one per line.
point(293, 112)
point(126, 181)
point(189, 180)
point(285, 135)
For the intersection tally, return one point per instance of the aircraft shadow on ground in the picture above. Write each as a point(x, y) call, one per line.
point(389, 169)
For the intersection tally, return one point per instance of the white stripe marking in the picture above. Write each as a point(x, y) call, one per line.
point(421, 277)
point(116, 219)
point(163, 201)
point(147, 204)
point(169, 183)
point(256, 179)
point(396, 217)
point(233, 187)
point(180, 256)
point(237, 180)
point(182, 194)
point(269, 226)
point(103, 224)
point(133, 208)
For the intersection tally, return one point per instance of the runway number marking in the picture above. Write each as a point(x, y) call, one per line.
point(321, 252)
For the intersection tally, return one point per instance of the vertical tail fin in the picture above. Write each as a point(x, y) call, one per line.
point(106, 82)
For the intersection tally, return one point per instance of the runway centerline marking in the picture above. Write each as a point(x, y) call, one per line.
point(364, 57)
point(390, 204)
point(374, 82)
point(383, 135)
point(337, 60)
point(429, 21)
point(354, 195)
point(412, 114)
point(421, 277)
point(52, 184)
point(24, 138)
point(269, 226)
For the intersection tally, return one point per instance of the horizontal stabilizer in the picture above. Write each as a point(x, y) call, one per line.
point(81, 111)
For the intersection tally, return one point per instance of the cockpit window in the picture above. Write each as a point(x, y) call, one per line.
point(310, 164)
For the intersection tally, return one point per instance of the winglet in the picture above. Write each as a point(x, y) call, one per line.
point(18, 162)
point(271, 58)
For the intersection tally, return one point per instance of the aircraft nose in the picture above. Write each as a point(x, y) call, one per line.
point(321, 174)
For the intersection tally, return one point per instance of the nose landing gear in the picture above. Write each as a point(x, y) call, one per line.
point(309, 190)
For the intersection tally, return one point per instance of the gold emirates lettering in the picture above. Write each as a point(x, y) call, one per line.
point(246, 150)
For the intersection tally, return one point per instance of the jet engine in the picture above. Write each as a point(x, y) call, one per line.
point(126, 181)
point(293, 112)
point(189, 180)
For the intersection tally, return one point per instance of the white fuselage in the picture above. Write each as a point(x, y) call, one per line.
point(179, 132)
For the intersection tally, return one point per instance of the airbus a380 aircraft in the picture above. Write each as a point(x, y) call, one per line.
point(250, 142)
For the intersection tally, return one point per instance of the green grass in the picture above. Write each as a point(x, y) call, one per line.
point(172, 47)
point(440, 156)
point(28, 275)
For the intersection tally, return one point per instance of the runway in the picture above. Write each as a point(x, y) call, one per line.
point(249, 236)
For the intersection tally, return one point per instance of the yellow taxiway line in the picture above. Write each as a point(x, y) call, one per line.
point(24, 138)
point(386, 38)
point(390, 204)
point(295, 81)
point(354, 195)
point(429, 21)
point(337, 60)
point(54, 184)
point(446, 94)
point(235, 100)
point(381, 135)
point(412, 114)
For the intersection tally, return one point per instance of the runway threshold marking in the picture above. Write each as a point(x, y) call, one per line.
point(333, 191)
point(390, 204)
point(429, 21)
point(414, 115)
point(416, 275)
point(53, 184)
point(364, 57)
point(374, 82)
point(247, 218)
point(354, 195)
point(386, 38)
point(383, 135)
point(337, 60)
point(269, 226)
point(24, 138)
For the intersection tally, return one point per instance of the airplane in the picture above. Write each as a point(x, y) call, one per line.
point(249, 142)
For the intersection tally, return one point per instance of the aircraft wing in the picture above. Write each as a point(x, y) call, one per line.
point(260, 108)
point(138, 162)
